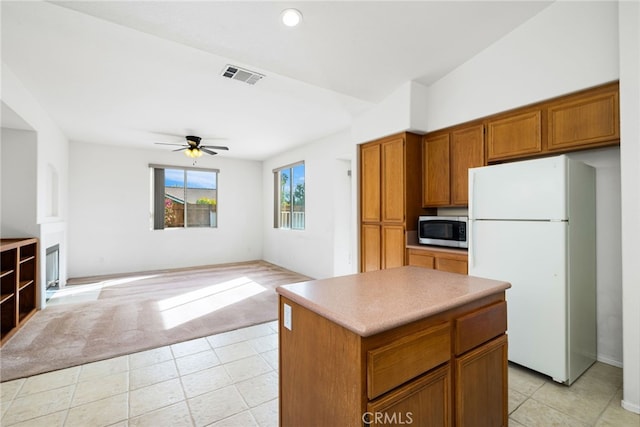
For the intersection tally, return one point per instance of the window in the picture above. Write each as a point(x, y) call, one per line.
point(289, 197)
point(184, 197)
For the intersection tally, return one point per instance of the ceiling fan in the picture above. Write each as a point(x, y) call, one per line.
point(194, 149)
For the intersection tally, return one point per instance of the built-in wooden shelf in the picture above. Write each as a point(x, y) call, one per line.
point(18, 283)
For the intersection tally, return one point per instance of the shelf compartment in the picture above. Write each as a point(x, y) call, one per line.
point(6, 297)
point(23, 284)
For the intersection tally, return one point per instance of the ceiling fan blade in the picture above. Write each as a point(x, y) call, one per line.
point(167, 143)
point(213, 153)
point(215, 147)
point(180, 149)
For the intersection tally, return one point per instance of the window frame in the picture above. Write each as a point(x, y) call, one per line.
point(157, 172)
point(277, 196)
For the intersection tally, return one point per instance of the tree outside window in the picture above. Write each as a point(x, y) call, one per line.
point(290, 197)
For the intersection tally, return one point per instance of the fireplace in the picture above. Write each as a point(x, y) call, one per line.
point(53, 266)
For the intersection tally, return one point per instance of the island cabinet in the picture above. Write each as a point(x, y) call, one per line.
point(446, 159)
point(403, 346)
point(390, 173)
point(18, 283)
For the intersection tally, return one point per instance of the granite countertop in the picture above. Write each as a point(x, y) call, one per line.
point(373, 302)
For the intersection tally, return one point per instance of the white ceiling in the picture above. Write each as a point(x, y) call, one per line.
point(130, 72)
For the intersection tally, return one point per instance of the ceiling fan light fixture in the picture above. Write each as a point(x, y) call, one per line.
point(193, 152)
point(291, 17)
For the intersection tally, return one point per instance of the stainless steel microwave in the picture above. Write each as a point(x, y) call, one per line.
point(443, 231)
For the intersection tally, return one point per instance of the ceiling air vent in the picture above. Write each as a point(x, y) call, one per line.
point(236, 73)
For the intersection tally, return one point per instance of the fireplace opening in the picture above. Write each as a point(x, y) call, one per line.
point(53, 270)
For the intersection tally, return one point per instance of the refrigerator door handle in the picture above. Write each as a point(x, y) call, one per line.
point(472, 242)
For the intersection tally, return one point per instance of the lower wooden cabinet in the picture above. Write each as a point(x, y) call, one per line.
point(481, 385)
point(452, 261)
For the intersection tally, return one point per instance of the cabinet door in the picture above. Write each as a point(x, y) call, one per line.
point(370, 164)
point(481, 393)
point(514, 136)
point(584, 121)
point(393, 180)
point(393, 246)
point(371, 249)
point(422, 402)
point(467, 151)
point(435, 175)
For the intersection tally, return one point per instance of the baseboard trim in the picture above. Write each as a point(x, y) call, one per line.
point(609, 361)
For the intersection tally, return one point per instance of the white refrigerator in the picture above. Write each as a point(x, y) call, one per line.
point(532, 223)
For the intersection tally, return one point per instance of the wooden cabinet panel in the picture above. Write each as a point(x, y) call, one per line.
point(451, 265)
point(393, 244)
point(436, 171)
point(467, 151)
point(425, 402)
point(370, 241)
point(390, 171)
point(481, 385)
point(398, 362)
point(370, 172)
point(420, 258)
point(515, 135)
point(480, 326)
point(584, 120)
point(393, 207)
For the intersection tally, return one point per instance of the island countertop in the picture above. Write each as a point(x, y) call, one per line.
point(374, 302)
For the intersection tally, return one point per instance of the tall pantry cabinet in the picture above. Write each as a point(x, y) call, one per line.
point(390, 194)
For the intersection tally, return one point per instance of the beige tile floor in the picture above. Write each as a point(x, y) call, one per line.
point(231, 379)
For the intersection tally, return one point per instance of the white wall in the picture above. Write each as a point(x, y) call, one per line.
point(315, 251)
point(629, 16)
point(19, 185)
point(110, 224)
point(51, 154)
point(567, 47)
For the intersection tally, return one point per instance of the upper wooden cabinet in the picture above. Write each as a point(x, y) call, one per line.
point(447, 158)
point(578, 121)
point(390, 172)
point(467, 151)
point(585, 119)
point(393, 180)
point(516, 135)
point(370, 171)
point(436, 170)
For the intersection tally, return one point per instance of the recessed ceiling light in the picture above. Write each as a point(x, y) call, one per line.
point(291, 17)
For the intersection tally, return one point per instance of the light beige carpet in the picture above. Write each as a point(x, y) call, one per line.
point(136, 312)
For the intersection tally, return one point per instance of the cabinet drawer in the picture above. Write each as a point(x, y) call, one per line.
point(420, 259)
point(480, 326)
point(396, 363)
point(451, 265)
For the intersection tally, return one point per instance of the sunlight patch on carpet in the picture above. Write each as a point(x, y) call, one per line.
point(185, 307)
point(73, 293)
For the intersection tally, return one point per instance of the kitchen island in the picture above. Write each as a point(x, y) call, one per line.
point(400, 346)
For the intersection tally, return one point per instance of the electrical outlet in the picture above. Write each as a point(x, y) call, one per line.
point(287, 316)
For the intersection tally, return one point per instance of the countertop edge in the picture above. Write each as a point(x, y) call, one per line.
point(364, 331)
